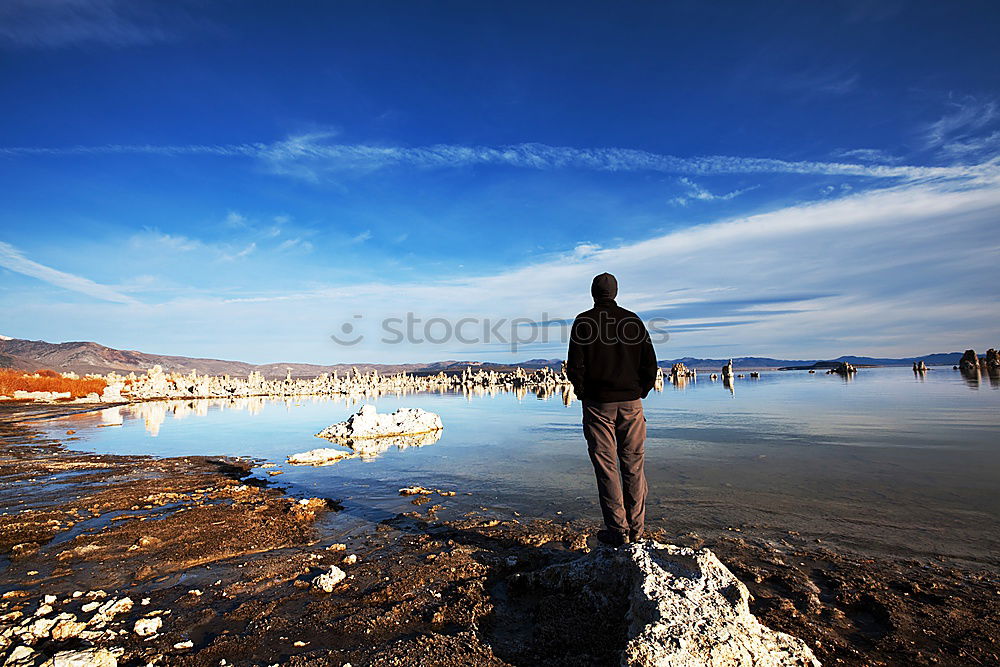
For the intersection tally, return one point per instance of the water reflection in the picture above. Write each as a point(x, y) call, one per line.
point(154, 414)
point(911, 465)
point(369, 449)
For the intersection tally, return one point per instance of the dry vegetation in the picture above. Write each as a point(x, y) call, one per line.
point(46, 380)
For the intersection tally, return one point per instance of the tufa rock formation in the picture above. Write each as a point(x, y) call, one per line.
point(368, 423)
point(685, 608)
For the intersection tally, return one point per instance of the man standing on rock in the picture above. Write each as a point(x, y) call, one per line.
point(612, 365)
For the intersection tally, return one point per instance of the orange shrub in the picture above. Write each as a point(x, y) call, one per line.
point(12, 380)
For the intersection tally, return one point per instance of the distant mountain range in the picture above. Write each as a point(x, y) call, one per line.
point(938, 359)
point(87, 357)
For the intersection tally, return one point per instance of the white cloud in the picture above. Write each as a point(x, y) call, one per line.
point(234, 219)
point(313, 157)
point(13, 259)
point(361, 237)
point(695, 192)
point(957, 132)
point(974, 146)
point(239, 254)
point(301, 244)
point(879, 272)
point(584, 249)
point(868, 155)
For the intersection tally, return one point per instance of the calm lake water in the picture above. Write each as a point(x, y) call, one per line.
point(888, 462)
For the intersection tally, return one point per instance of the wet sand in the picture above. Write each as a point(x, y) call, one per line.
point(226, 562)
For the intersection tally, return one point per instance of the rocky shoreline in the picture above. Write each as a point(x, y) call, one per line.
point(227, 565)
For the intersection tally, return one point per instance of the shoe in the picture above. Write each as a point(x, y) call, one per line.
point(612, 538)
point(636, 536)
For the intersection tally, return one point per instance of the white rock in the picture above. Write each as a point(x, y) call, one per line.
point(113, 392)
point(42, 627)
point(368, 423)
point(20, 656)
point(184, 644)
point(686, 609)
point(145, 627)
point(350, 559)
point(109, 610)
point(328, 580)
point(90, 657)
point(319, 457)
point(67, 629)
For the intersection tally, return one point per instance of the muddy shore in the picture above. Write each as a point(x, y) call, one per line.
point(226, 561)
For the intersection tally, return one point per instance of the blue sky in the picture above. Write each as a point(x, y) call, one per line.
point(239, 179)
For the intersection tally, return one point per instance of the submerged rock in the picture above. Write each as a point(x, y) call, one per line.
point(685, 608)
point(368, 423)
point(323, 456)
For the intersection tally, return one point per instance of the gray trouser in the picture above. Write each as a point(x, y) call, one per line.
point(616, 434)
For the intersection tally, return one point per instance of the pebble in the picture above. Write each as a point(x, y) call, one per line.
point(145, 627)
point(328, 580)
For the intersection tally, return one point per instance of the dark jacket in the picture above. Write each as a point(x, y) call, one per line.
point(611, 356)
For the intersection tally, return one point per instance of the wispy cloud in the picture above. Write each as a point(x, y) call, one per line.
point(60, 23)
point(973, 147)
point(885, 270)
point(868, 155)
point(959, 131)
point(362, 236)
point(314, 157)
point(299, 243)
point(822, 82)
point(239, 254)
point(13, 259)
point(695, 192)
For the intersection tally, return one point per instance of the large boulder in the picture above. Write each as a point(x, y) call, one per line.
point(685, 608)
point(688, 609)
point(368, 423)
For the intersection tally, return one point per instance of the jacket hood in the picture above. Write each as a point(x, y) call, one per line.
point(605, 286)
